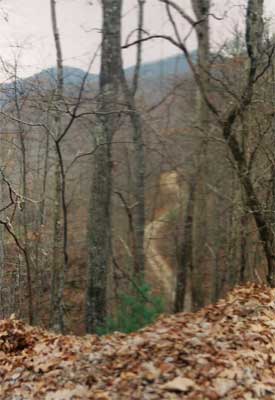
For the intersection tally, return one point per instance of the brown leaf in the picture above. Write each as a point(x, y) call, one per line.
point(222, 386)
point(79, 392)
point(179, 384)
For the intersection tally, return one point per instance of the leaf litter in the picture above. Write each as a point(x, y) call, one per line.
point(224, 351)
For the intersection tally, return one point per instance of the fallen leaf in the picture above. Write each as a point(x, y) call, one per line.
point(222, 386)
point(179, 384)
point(79, 392)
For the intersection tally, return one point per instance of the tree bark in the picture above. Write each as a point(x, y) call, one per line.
point(185, 264)
point(138, 182)
point(58, 267)
point(100, 224)
point(138, 163)
point(201, 257)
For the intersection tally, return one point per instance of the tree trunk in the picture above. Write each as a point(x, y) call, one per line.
point(185, 266)
point(201, 257)
point(138, 163)
point(100, 225)
point(138, 182)
point(2, 254)
point(58, 268)
point(42, 267)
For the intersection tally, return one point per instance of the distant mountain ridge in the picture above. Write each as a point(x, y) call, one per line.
point(72, 75)
point(150, 72)
point(172, 65)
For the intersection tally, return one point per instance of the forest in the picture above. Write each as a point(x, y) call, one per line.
point(137, 212)
point(144, 190)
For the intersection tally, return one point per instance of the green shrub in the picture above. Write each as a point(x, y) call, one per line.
point(135, 310)
point(173, 215)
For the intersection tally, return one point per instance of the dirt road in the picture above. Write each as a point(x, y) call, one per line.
point(158, 269)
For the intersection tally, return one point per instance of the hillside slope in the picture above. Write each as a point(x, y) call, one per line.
point(225, 351)
point(41, 82)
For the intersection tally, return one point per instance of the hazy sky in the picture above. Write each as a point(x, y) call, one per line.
point(26, 30)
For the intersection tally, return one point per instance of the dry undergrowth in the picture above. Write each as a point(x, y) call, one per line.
point(225, 351)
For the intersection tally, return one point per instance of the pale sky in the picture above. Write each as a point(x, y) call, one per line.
point(25, 31)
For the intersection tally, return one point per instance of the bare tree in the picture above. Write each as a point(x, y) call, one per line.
point(185, 256)
point(25, 245)
point(57, 317)
point(201, 223)
point(139, 161)
point(228, 122)
point(100, 226)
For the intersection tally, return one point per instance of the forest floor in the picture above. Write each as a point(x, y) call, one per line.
point(224, 351)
